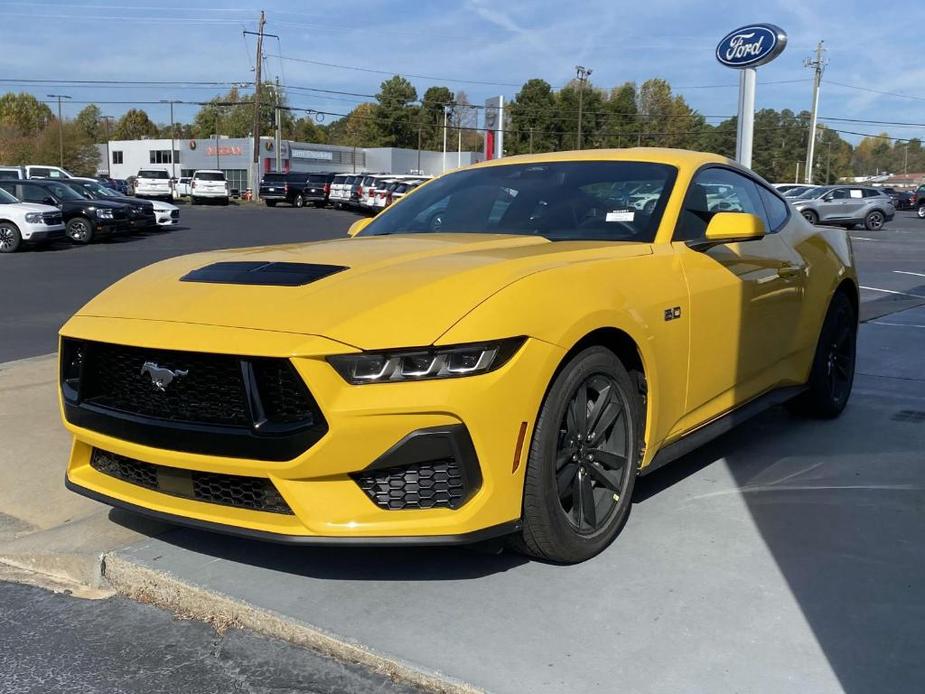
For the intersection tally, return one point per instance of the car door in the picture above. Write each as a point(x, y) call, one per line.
point(744, 297)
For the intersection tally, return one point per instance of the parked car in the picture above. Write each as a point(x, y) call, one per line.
point(902, 200)
point(181, 188)
point(400, 191)
point(165, 214)
point(33, 171)
point(845, 206)
point(153, 183)
point(918, 201)
point(340, 189)
point(117, 184)
point(370, 187)
point(513, 374)
point(296, 188)
point(26, 222)
point(795, 191)
point(209, 184)
point(84, 220)
point(141, 212)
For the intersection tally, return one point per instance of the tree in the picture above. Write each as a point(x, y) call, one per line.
point(306, 129)
point(134, 125)
point(232, 114)
point(24, 114)
point(534, 123)
point(393, 115)
point(593, 116)
point(356, 129)
point(435, 100)
point(667, 120)
point(88, 122)
point(623, 116)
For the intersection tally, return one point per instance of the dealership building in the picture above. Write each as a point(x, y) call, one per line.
point(234, 156)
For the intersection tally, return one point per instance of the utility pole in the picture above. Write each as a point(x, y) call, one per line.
point(906, 158)
point(173, 137)
point(531, 139)
point(257, 85)
point(583, 74)
point(818, 64)
point(60, 128)
point(796, 179)
point(446, 108)
point(278, 127)
point(828, 162)
point(108, 121)
point(420, 128)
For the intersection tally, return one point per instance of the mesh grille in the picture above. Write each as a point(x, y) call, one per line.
point(282, 392)
point(435, 484)
point(211, 392)
point(253, 493)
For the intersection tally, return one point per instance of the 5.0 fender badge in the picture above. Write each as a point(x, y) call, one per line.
point(672, 313)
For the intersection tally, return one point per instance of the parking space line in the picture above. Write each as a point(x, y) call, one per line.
point(893, 291)
point(863, 238)
point(906, 272)
point(897, 325)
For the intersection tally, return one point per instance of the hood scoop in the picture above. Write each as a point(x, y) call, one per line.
point(262, 273)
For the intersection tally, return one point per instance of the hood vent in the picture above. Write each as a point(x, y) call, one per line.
point(262, 274)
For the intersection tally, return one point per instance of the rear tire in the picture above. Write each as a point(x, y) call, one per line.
point(810, 217)
point(579, 482)
point(832, 373)
point(299, 201)
point(80, 230)
point(874, 221)
point(920, 212)
point(10, 238)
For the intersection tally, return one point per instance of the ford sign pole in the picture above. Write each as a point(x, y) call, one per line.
point(745, 49)
point(746, 121)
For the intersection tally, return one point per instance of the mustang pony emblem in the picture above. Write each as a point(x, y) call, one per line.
point(161, 377)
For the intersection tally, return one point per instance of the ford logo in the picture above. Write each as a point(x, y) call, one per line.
point(752, 45)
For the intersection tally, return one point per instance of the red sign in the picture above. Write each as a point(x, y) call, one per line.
point(224, 151)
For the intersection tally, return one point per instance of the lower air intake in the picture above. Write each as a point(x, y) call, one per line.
point(437, 484)
point(253, 493)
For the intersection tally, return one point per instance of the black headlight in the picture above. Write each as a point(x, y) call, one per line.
point(425, 363)
point(73, 355)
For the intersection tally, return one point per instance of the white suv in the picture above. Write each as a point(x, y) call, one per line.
point(208, 184)
point(153, 183)
point(26, 221)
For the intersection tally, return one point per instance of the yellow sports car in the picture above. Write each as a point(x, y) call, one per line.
point(501, 352)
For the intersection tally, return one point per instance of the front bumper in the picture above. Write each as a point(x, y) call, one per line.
point(320, 485)
point(43, 233)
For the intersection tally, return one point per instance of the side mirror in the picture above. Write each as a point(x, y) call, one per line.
point(730, 227)
point(358, 226)
point(828, 197)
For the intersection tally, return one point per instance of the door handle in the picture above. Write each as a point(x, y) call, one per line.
point(790, 271)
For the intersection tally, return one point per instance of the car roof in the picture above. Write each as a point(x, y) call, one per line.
point(656, 155)
point(207, 171)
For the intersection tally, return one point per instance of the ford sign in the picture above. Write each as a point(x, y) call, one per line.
point(751, 46)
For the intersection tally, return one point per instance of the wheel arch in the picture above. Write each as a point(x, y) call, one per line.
point(850, 289)
point(5, 220)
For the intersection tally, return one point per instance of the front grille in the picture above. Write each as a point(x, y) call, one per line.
point(210, 392)
point(120, 214)
point(435, 484)
point(51, 218)
point(253, 493)
point(175, 214)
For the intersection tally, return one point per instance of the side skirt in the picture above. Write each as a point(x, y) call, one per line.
point(720, 426)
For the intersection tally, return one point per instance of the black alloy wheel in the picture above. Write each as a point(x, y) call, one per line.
point(582, 461)
point(832, 373)
point(874, 221)
point(592, 455)
point(10, 238)
point(80, 230)
point(810, 217)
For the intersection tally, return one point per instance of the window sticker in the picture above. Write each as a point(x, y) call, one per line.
point(620, 216)
point(855, 193)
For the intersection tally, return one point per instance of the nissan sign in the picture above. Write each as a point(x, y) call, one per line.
point(751, 46)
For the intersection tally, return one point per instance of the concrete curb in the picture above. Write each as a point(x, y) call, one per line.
point(188, 601)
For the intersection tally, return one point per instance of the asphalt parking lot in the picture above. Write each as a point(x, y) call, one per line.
point(783, 556)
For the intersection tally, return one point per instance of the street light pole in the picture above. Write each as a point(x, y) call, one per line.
point(60, 128)
point(583, 74)
point(173, 136)
point(108, 121)
point(818, 64)
point(445, 111)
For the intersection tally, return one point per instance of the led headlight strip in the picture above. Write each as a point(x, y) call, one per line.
point(426, 363)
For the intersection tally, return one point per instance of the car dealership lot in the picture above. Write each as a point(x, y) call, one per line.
point(783, 556)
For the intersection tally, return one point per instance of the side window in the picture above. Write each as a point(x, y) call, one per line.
point(776, 209)
point(871, 193)
point(9, 188)
point(839, 194)
point(34, 194)
point(39, 172)
point(717, 190)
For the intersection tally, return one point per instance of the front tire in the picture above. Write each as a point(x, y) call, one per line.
point(874, 221)
point(80, 230)
point(811, 217)
point(582, 462)
point(832, 373)
point(10, 238)
point(920, 212)
point(299, 201)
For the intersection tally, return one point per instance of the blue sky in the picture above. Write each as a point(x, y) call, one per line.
point(869, 46)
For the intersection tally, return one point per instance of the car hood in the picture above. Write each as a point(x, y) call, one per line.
point(393, 291)
point(34, 207)
point(162, 206)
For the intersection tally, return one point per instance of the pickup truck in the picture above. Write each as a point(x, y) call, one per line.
point(296, 188)
point(32, 171)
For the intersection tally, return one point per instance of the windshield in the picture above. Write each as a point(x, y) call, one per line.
point(97, 189)
point(6, 198)
point(64, 192)
point(317, 178)
point(153, 174)
point(209, 176)
point(590, 200)
point(270, 177)
point(813, 193)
